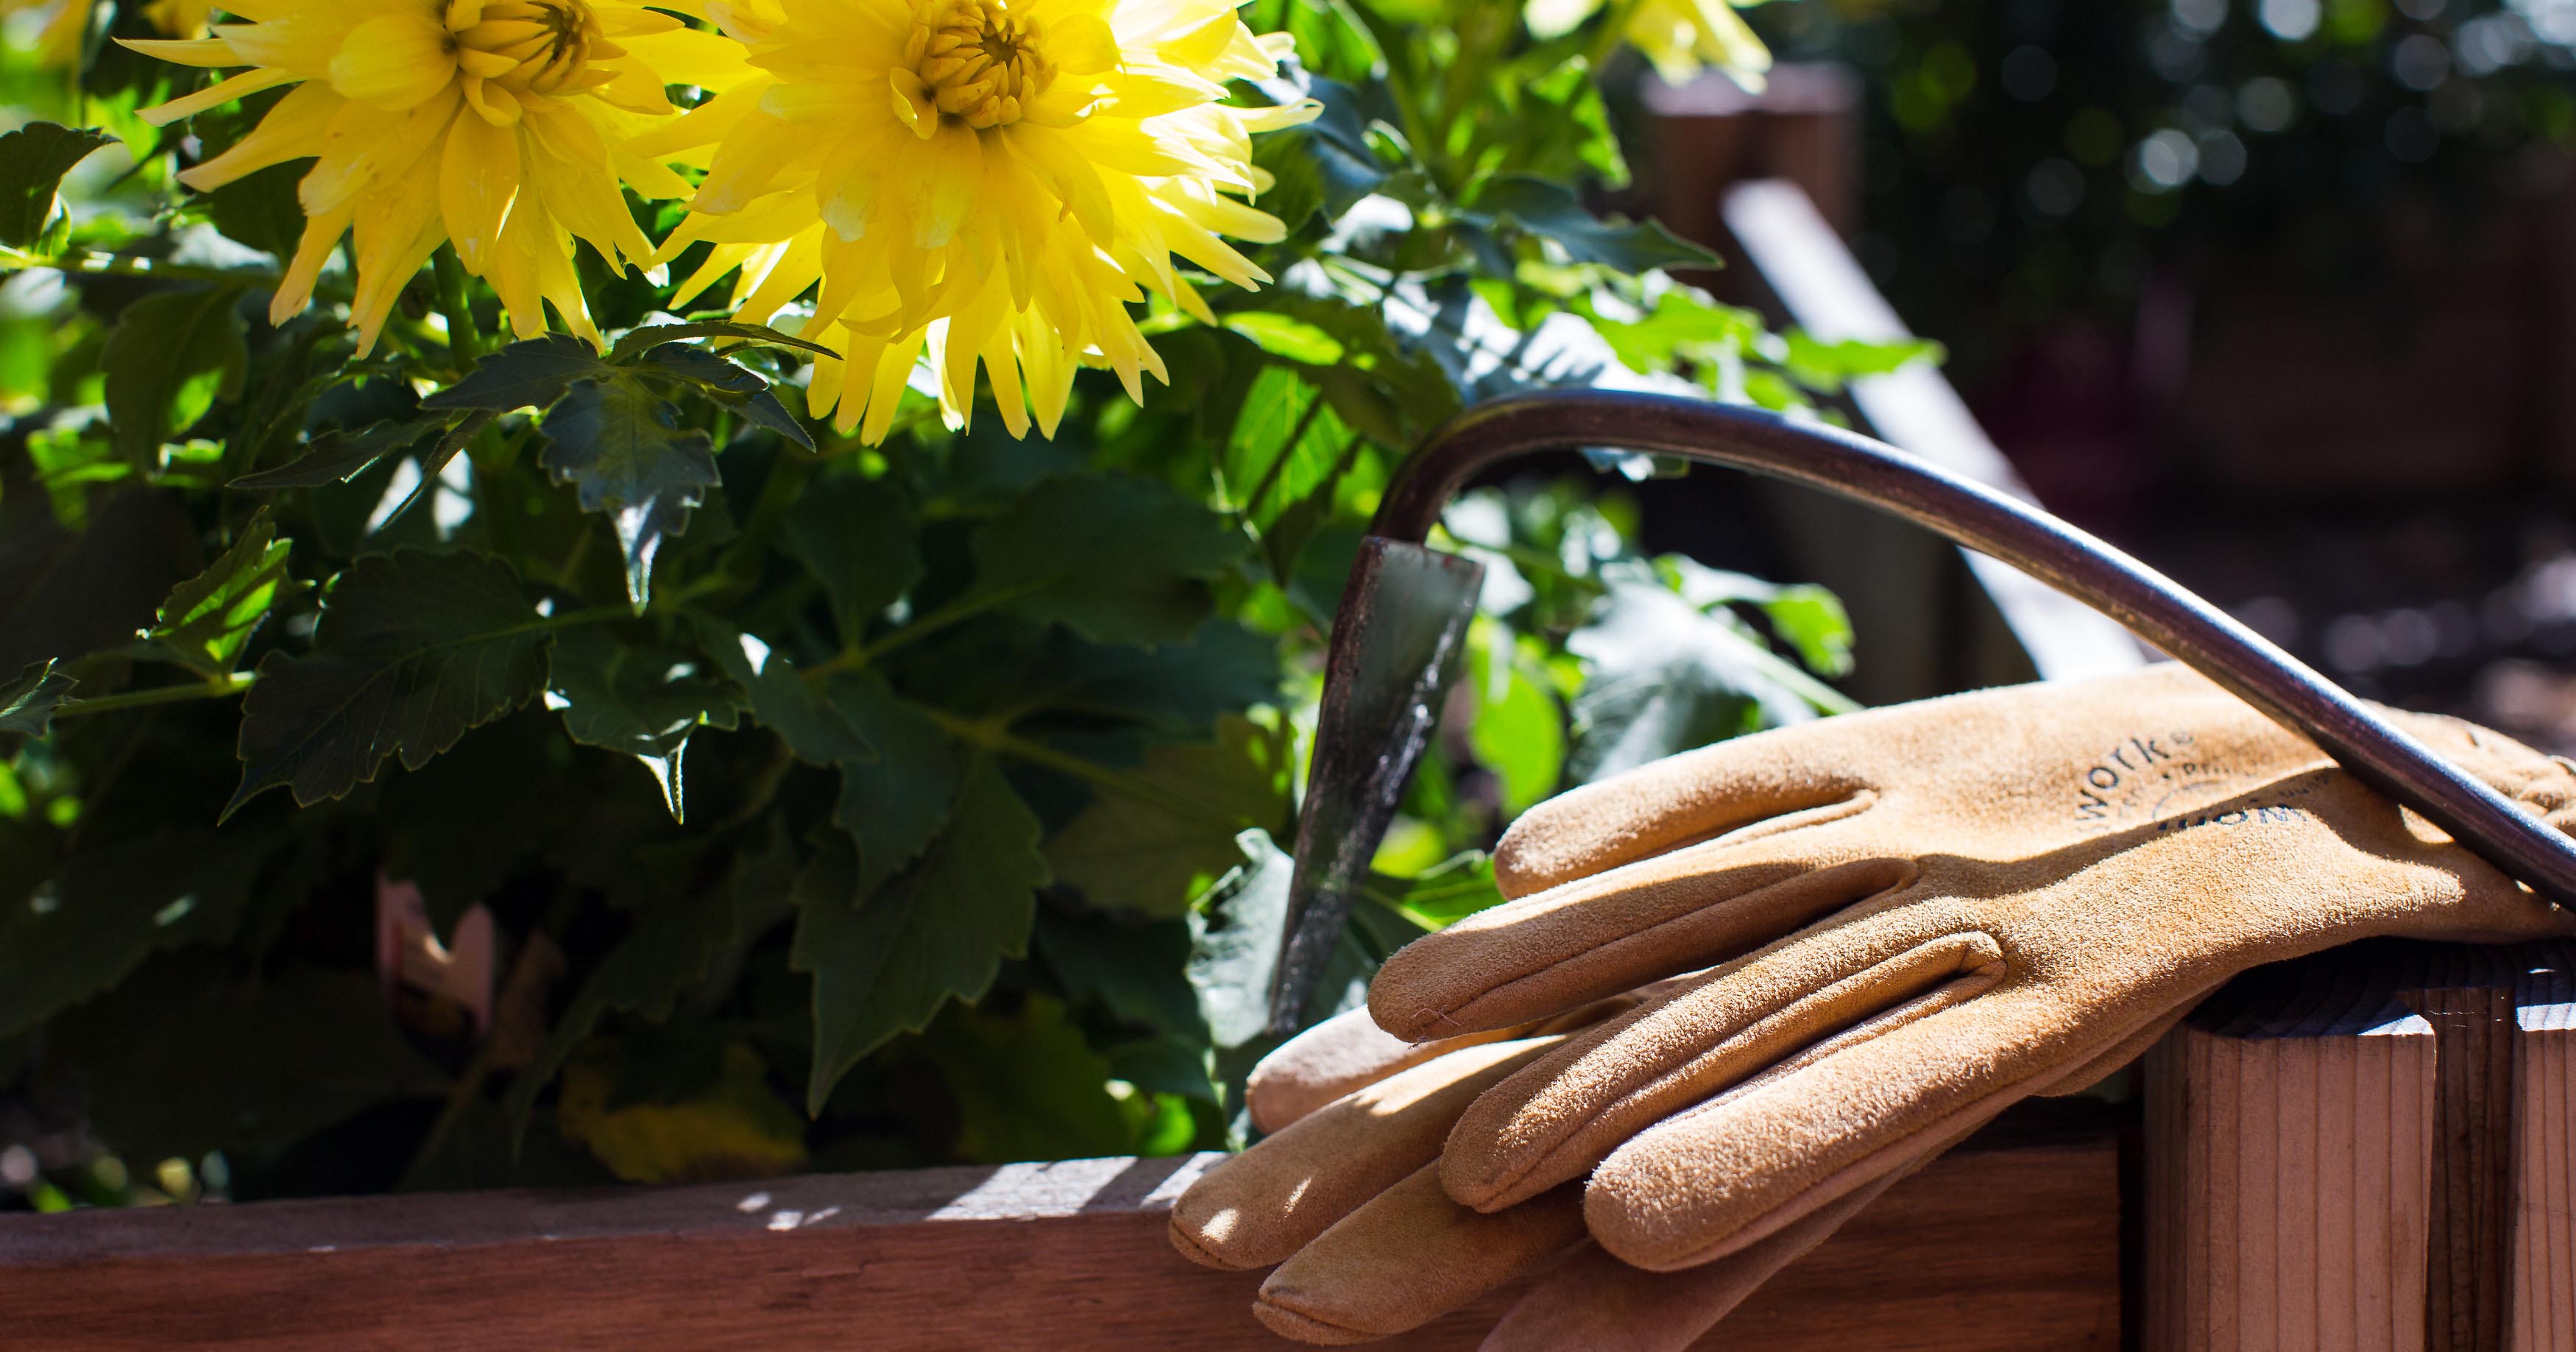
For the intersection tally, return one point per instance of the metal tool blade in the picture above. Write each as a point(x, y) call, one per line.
point(1396, 642)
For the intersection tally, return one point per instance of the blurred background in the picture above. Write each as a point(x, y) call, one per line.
point(2276, 294)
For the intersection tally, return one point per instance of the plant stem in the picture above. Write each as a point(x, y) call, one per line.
point(223, 688)
point(463, 347)
point(113, 265)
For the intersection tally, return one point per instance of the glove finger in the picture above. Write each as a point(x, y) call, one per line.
point(1258, 1207)
point(1758, 784)
point(1557, 1118)
point(1348, 1052)
point(1339, 1056)
point(1712, 1181)
point(1588, 939)
point(1409, 1256)
point(1594, 1300)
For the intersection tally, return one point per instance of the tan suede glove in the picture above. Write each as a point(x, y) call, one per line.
point(1345, 1190)
point(2001, 893)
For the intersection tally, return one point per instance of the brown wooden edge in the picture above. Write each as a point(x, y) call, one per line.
point(2010, 1242)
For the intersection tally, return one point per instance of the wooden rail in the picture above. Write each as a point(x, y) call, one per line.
point(2010, 1242)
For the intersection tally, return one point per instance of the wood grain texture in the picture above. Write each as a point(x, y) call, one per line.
point(2010, 1242)
point(2305, 1141)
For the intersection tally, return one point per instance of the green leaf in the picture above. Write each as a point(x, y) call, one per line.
point(532, 373)
point(112, 906)
point(1518, 732)
point(1287, 443)
point(1827, 367)
point(412, 650)
point(1179, 688)
point(782, 700)
point(249, 1068)
point(33, 160)
point(895, 802)
point(671, 949)
point(1443, 896)
point(339, 456)
point(727, 384)
point(1666, 677)
point(28, 704)
point(654, 335)
point(861, 539)
point(1235, 934)
point(1133, 968)
point(1551, 211)
point(209, 618)
point(168, 359)
point(644, 702)
point(262, 210)
point(1152, 852)
point(1810, 618)
point(1117, 559)
point(884, 963)
point(1028, 1086)
point(1287, 337)
point(621, 445)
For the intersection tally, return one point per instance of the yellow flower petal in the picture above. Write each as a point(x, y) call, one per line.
point(393, 61)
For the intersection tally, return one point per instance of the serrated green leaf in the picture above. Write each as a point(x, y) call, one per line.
point(643, 702)
point(339, 456)
point(671, 948)
point(1116, 559)
point(1551, 211)
point(1152, 852)
point(261, 209)
point(782, 700)
point(653, 335)
point(33, 160)
point(1027, 1085)
point(412, 650)
point(861, 540)
point(620, 444)
point(896, 802)
point(1440, 897)
point(113, 905)
point(1665, 677)
point(28, 703)
point(885, 963)
point(1133, 968)
point(209, 618)
point(743, 391)
point(1235, 933)
point(168, 359)
point(531, 373)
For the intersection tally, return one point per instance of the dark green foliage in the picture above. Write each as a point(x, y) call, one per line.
point(932, 787)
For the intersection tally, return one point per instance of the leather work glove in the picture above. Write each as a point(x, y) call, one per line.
point(1345, 1190)
point(1912, 918)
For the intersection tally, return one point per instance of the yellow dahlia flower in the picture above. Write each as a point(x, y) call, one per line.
point(995, 180)
point(59, 42)
point(1683, 37)
point(1680, 37)
point(497, 124)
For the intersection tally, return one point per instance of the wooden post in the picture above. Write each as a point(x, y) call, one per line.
point(2373, 1148)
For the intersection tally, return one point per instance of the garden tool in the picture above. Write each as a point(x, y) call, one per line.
point(1393, 640)
point(1958, 915)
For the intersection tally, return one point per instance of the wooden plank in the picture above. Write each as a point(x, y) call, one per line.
point(2009, 1242)
point(2368, 1149)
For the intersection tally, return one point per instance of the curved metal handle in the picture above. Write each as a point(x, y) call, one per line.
point(2092, 571)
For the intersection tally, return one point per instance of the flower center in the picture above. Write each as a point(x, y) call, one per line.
point(977, 63)
point(527, 46)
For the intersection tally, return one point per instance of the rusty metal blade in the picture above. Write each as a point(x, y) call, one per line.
point(1396, 643)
